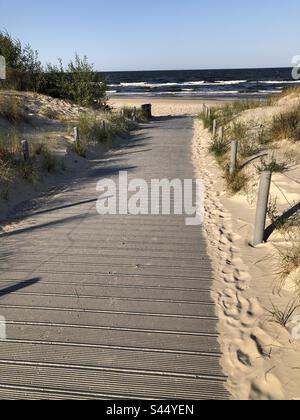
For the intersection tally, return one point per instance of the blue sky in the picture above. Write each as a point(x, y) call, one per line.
point(159, 34)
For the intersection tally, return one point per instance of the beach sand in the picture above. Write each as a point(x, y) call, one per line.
point(164, 107)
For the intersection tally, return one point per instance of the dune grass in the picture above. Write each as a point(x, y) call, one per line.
point(283, 317)
point(286, 126)
point(12, 164)
point(11, 109)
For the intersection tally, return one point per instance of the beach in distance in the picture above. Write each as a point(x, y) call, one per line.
point(200, 84)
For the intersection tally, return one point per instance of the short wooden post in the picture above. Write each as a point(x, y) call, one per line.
point(214, 128)
point(76, 136)
point(147, 110)
point(133, 115)
point(233, 157)
point(104, 126)
point(25, 150)
point(220, 133)
point(262, 207)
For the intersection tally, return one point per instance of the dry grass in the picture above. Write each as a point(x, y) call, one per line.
point(237, 181)
point(286, 126)
point(11, 109)
point(283, 317)
point(289, 260)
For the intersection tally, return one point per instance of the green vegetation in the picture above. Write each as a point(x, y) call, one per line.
point(289, 260)
point(77, 82)
point(237, 181)
point(272, 165)
point(13, 165)
point(127, 112)
point(286, 126)
point(24, 70)
point(219, 147)
point(12, 110)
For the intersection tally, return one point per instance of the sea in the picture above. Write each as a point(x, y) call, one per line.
point(200, 84)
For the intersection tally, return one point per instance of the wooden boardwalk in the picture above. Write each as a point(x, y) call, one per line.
point(111, 306)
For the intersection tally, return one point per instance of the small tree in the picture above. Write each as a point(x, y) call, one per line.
point(78, 82)
point(24, 70)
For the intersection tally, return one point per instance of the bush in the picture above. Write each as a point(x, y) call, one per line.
point(24, 70)
point(77, 82)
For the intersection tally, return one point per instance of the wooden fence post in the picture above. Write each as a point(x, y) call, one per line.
point(76, 136)
point(262, 207)
point(220, 134)
point(233, 158)
point(25, 150)
point(147, 110)
point(214, 130)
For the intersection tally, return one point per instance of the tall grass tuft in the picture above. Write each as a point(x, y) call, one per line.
point(11, 109)
point(219, 147)
point(237, 181)
point(286, 126)
point(283, 317)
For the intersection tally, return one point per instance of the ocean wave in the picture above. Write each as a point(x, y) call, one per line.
point(278, 82)
point(175, 84)
point(182, 93)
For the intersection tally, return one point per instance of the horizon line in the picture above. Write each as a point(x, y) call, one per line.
point(195, 69)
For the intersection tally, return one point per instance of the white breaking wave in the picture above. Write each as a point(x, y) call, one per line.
point(187, 92)
point(278, 82)
point(169, 84)
point(230, 82)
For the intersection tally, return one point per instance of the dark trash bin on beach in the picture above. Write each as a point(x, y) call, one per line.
point(147, 109)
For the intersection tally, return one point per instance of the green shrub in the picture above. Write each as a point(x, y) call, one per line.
point(78, 82)
point(24, 69)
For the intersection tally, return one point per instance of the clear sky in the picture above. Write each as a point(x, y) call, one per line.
point(159, 34)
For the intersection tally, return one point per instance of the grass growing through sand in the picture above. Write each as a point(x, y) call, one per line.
point(11, 110)
point(283, 317)
point(13, 166)
point(286, 126)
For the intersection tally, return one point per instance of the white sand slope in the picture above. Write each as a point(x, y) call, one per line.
point(260, 357)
